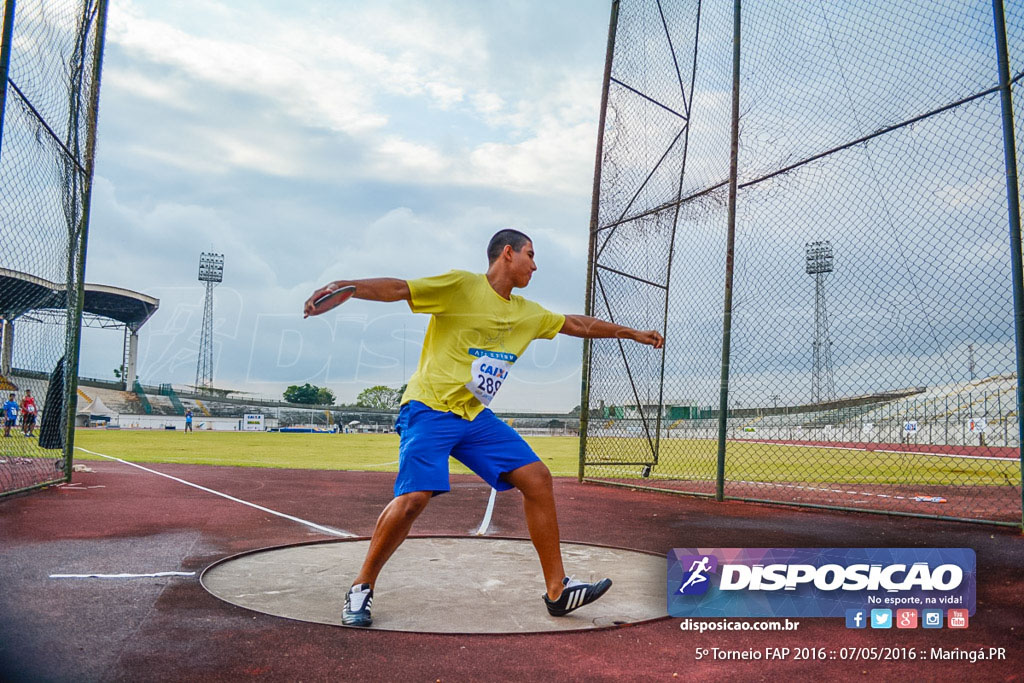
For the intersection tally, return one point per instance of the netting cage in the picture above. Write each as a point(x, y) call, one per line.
point(50, 59)
point(816, 203)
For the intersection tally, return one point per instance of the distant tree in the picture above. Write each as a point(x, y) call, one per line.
point(117, 373)
point(308, 394)
point(379, 397)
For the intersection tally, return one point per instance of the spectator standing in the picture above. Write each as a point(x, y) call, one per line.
point(28, 413)
point(10, 414)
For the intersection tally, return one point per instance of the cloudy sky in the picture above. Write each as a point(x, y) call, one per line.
point(310, 141)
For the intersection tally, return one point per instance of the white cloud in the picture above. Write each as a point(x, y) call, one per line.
point(295, 74)
point(344, 73)
point(549, 162)
point(409, 158)
point(488, 102)
point(137, 84)
point(334, 140)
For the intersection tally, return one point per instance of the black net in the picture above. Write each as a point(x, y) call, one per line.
point(872, 362)
point(50, 49)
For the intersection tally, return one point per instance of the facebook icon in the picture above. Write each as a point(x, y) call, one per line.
point(856, 618)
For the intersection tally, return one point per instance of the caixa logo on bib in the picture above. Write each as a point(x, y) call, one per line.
point(816, 582)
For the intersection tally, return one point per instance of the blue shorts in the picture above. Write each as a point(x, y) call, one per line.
point(485, 445)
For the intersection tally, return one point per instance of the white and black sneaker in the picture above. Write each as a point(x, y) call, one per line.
point(357, 606)
point(575, 594)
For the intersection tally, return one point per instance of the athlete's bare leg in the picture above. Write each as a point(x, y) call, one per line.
point(534, 482)
point(392, 527)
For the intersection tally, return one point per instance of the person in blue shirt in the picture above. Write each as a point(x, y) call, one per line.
point(10, 414)
point(188, 420)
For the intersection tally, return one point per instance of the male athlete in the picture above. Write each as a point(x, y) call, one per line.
point(477, 330)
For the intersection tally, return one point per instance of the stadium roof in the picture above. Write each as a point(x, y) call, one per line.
point(21, 293)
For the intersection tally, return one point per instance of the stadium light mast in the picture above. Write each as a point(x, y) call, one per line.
point(820, 264)
point(211, 271)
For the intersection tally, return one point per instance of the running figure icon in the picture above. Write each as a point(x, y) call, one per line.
point(697, 576)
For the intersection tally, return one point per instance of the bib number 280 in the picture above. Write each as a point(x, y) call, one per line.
point(490, 370)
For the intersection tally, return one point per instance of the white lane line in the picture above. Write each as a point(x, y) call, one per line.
point(818, 488)
point(383, 464)
point(120, 576)
point(319, 527)
point(874, 450)
point(486, 523)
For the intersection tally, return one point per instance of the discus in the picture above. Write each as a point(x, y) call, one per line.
point(342, 294)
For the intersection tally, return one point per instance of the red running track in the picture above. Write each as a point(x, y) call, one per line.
point(121, 519)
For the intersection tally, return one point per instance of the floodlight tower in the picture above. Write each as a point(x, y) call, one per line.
point(211, 271)
point(819, 264)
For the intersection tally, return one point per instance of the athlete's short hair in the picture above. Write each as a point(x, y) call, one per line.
point(508, 236)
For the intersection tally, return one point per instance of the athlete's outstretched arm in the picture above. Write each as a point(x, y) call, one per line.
point(372, 289)
point(595, 328)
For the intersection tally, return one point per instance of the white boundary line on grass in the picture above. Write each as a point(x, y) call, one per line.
point(873, 450)
point(324, 529)
point(852, 493)
point(919, 499)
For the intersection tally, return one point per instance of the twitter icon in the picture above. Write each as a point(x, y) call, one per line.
point(881, 618)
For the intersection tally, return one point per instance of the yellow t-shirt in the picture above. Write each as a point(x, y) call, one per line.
point(474, 337)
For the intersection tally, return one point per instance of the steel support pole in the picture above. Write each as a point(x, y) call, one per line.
point(6, 347)
point(723, 398)
point(6, 35)
point(1013, 206)
point(595, 205)
point(74, 345)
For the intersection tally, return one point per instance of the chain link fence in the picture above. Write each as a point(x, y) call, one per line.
point(868, 336)
point(50, 59)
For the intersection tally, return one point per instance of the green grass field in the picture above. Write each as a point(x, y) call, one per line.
point(763, 462)
point(681, 459)
point(374, 452)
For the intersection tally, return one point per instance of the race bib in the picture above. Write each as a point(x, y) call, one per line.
point(490, 370)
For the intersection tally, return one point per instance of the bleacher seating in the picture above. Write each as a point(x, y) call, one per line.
point(942, 414)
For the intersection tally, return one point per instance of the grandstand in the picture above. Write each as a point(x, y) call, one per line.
point(981, 413)
point(939, 415)
point(163, 406)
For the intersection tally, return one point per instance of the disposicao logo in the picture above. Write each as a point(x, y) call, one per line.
point(696, 580)
point(817, 582)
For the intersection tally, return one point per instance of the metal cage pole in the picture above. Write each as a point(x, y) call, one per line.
point(592, 251)
point(71, 363)
point(672, 238)
point(5, 61)
point(730, 249)
point(1013, 206)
